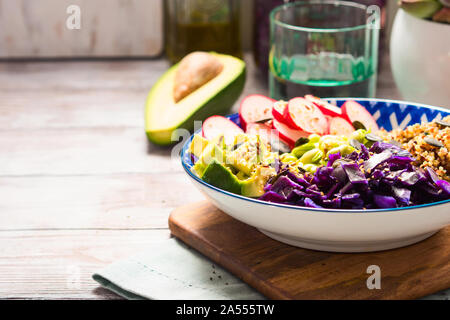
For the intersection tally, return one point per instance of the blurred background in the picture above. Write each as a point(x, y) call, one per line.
point(156, 29)
point(135, 28)
point(411, 49)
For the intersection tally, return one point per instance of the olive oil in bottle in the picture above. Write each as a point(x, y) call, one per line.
point(202, 25)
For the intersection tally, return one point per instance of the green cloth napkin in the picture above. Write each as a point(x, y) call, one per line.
point(172, 271)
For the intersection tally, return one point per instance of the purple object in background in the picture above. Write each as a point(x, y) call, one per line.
point(261, 27)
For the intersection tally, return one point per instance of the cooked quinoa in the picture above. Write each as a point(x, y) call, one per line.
point(413, 139)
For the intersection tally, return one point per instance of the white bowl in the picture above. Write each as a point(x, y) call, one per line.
point(337, 230)
point(332, 230)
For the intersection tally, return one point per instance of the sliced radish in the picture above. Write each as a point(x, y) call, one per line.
point(306, 116)
point(254, 108)
point(328, 121)
point(215, 125)
point(288, 135)
point(278, 110)
point(339, 126)
point(287, 120)
point(264, 131)
point(327, 108)
point(353, 111)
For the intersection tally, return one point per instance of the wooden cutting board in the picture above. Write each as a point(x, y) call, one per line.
point(280, 271)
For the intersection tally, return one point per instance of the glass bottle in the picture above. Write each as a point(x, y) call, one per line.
point(205, 25)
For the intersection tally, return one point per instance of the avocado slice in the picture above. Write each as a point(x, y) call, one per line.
point(254, 186)
point(221, 177)
point(198, 144)
point(210, 153)
point(198, 168)
point(243, 154)
point(247, 153)
point(163, 115)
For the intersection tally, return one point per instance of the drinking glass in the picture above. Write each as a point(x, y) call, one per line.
point(326, 48)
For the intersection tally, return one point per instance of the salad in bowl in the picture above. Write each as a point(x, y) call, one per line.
point(326, 176)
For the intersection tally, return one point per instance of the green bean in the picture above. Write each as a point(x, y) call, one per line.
point(312, 156)
point(288, 157)
point(343, 150)
point(330, 142)
point(317, 150)
point(359, 135)
point(318, 156)
point(314, 138)
point(301, 150)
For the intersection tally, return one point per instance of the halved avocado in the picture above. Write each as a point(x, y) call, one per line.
point(163, 115)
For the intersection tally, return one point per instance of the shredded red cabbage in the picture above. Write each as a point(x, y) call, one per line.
point(380, 177)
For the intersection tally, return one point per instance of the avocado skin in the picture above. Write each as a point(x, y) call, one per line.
point(218, 104)
point(219, 176)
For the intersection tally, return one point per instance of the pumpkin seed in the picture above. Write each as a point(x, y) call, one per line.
point(301, 141)
point(433, 142)
point(263, 120)
point(373, 137)
point(355, 144)
point(358, 125)
point(236, 146)
point(396, 143)
point(443, 123)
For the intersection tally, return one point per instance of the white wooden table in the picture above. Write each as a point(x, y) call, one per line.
point(80, 186)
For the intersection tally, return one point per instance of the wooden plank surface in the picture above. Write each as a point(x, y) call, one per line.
point(280, 271)
point(76, 151)
point(68, 77)
point(78, 179)
point(119, 201)
point(35, 109)
point(58, 264)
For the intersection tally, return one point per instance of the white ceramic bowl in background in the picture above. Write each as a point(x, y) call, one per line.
point(337, 229)
point(420, 59)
